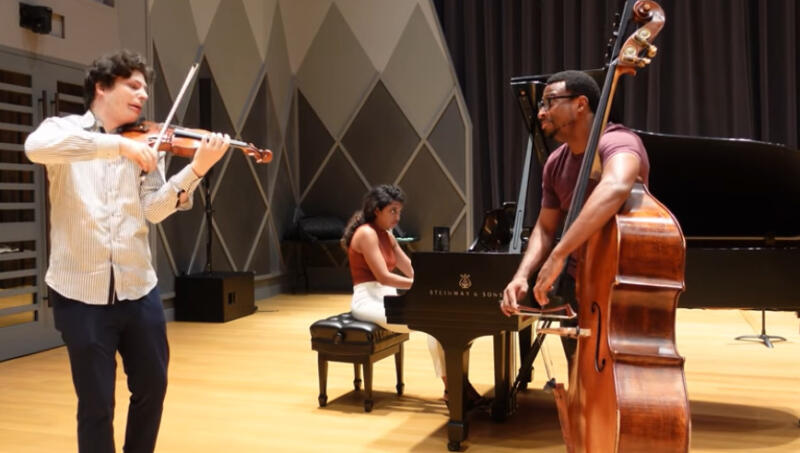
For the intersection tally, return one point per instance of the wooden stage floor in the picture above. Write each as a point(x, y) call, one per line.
point(250, 385)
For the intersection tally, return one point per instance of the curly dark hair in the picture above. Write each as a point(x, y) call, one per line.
point(107, 68)
point(377, 198)
point(580, 83)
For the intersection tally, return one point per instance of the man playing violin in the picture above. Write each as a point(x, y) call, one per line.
point(566, 113)
point(103, 189)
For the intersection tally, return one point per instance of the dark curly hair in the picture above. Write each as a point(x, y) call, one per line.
point(580, 83)
point(377, 198)
point(107, 68)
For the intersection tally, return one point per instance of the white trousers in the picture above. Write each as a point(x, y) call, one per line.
point(367, 305)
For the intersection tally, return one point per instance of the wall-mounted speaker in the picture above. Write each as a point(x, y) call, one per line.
point(36, 18)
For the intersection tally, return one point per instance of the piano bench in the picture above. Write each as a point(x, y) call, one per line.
point(342, 338)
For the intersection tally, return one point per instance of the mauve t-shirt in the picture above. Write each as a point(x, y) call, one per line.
point(562, 167)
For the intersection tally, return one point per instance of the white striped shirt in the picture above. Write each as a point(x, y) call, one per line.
point(99, 201)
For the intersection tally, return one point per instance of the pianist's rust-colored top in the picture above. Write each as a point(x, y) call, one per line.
point(359, 269)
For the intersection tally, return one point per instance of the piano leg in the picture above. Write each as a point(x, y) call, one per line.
point(503, 406)
point(525, 341)
point(456, 357)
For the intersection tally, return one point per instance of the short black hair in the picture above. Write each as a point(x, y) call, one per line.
point(107, 68)
point(580, 83)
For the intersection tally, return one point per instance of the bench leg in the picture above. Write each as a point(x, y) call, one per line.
point(368, 386)
point(357, 374)
point(322, 365)
point(398, 364)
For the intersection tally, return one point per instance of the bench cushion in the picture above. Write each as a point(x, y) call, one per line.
point(354, 336)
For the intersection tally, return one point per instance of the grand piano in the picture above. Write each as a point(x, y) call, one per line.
point(738, 203)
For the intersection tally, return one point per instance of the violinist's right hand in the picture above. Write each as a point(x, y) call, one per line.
point(515, 290)
point(139, 153)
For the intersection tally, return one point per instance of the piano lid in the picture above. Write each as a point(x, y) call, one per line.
point(726, 187)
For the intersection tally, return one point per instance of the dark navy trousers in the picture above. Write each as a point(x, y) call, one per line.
point(93, 335)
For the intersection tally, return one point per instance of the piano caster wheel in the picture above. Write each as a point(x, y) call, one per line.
point(357, 384)
point(399, 388)
point(323, 400)
point(454, 446)
point(367, 405)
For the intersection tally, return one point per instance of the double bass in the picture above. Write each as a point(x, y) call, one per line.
point(627, 391)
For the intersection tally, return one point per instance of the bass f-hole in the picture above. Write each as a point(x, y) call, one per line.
point(599, 365)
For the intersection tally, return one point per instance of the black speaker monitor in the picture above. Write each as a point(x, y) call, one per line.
point(36, 18)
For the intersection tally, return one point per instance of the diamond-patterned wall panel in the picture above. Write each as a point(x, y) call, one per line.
point(279, 74)
point(315, 141)
point(336, 73)
point(377, 24)
point(266, 257)
point(449, 142)
point(337, 192)
point(291, 141)
point(260, 13)
point(183, 227)
point(380, 139)
point(418, 74)
point(430, 199)
point(282, 202)
point(291, 75)
point(303, 19)
point(159, 96)
point(203, 14)
point(238, 208)
point(174, 39)
point(233, 57)
point(261, 128)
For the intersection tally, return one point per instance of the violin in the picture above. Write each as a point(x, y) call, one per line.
point(184, 142)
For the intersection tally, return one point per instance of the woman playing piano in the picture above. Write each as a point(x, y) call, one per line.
point(374, 254)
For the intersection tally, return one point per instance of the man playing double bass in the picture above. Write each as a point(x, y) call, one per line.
point(566, 113)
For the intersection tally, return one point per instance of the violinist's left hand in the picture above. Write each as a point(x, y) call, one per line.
point(547, 276)
point(212, 147)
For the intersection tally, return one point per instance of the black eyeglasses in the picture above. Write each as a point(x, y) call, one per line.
point(546, 103)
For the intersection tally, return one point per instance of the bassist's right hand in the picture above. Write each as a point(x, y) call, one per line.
point(516, 289)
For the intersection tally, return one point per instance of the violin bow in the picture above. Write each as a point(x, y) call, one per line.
point(175, 104)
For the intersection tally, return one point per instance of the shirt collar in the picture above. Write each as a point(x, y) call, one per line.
point(89, 122)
